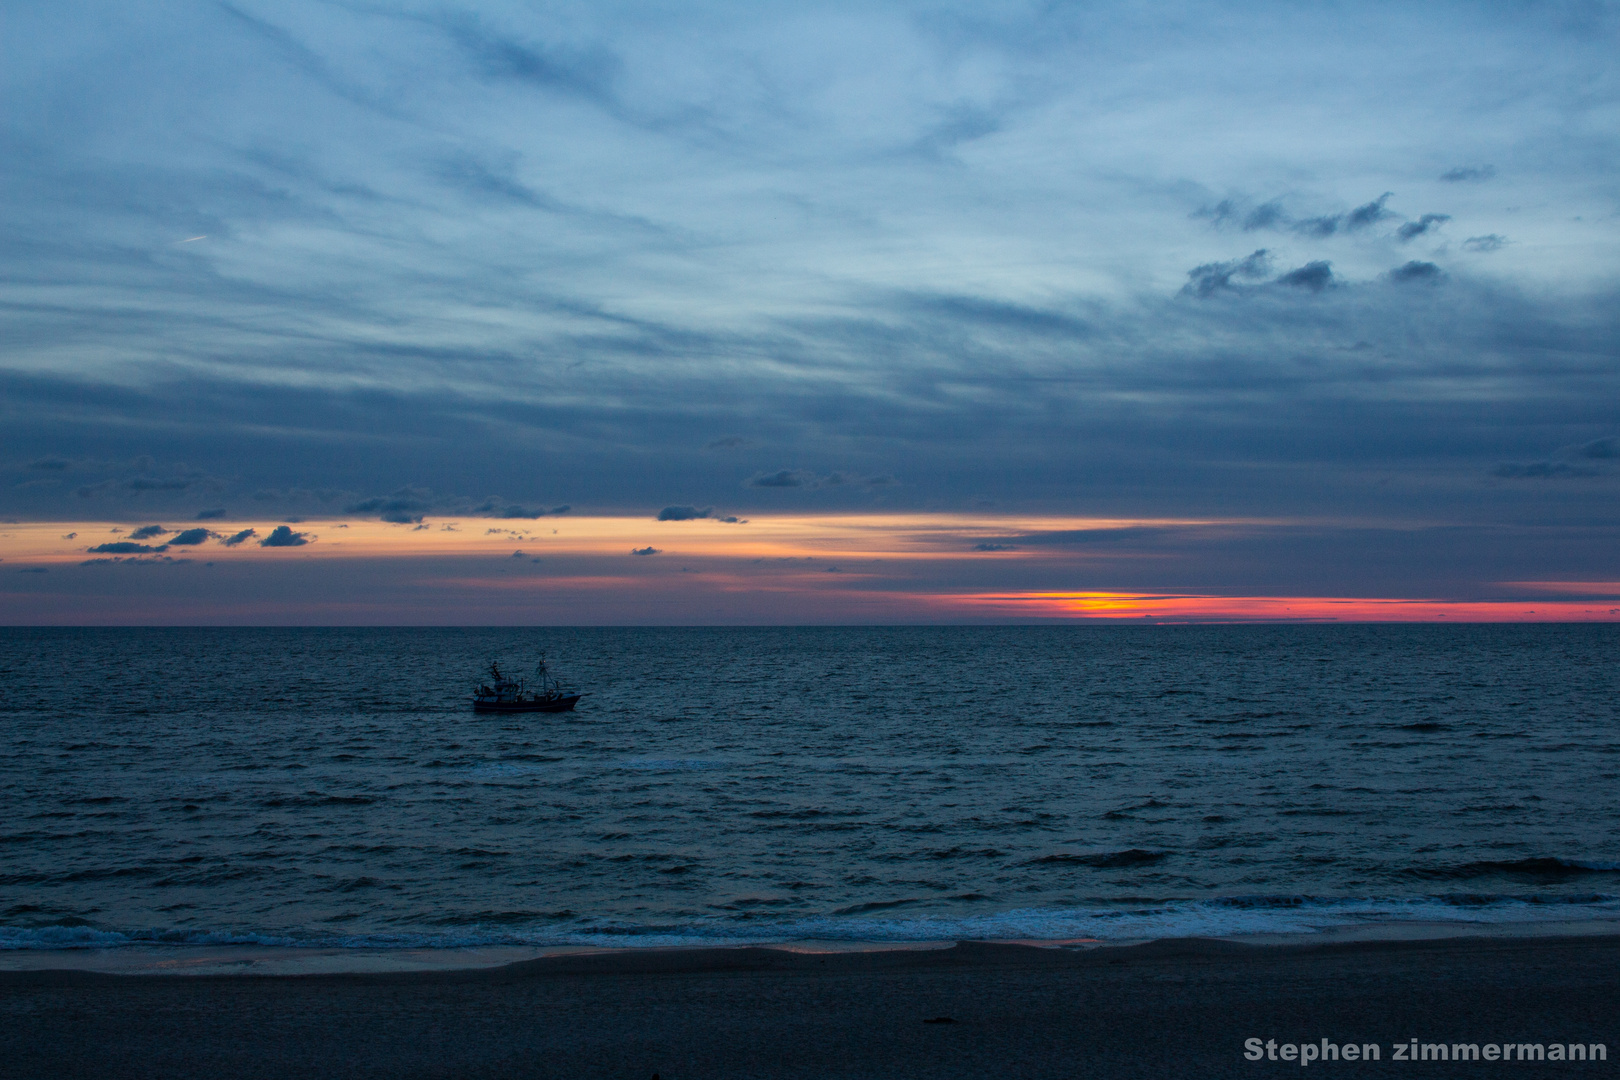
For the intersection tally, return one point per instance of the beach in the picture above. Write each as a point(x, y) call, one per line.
point(1174, 1008)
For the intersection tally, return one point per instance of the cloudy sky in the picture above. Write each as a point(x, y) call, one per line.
point(890, 312)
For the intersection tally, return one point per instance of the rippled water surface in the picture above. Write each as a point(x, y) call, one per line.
point(333, 786)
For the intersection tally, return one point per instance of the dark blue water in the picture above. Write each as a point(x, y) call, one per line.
point(333, 786)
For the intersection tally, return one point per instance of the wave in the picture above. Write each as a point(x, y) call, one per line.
point(1104, 859)
point(878, 922)
point(1545, 869)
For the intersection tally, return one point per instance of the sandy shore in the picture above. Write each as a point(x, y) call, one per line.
point(1168, 1009)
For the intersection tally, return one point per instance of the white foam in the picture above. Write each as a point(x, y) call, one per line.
point(1236, 917)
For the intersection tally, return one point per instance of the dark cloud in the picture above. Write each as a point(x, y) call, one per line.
point(727, 443)
point(1463, 173)
point(1219, 214)
point(1000, 315)
point(1488, 242)
point(782, 478)
point(146, 532)
point(1541, 470)
point(1139, 535)
point(404, 507)
point(587, 73)
point(1369, 213)
point(124, 547)
point(232, 541)
point(803, 478)
point(1265, 216)
point(135, 484)
point(1413, 229)
point(693, 513)
point(55, 464)
point(1600, 449)
point(1210, 278)
point(995, 547)
point(496, 507)
point(480, 180)
point(210, 515)
point(282, 536)
point(684, 513)
point(1314, 276)
point(646, 551)
point(189, 537)
point(1319, 226)
point(1416, 271)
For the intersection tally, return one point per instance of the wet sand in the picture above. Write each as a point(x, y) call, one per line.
point(1167, 1009)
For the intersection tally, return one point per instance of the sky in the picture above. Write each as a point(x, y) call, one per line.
point(422, 313)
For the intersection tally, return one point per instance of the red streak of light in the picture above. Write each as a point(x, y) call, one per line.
point(1190, 608)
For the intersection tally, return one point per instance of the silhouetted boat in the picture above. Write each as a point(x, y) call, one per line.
point(503, 694)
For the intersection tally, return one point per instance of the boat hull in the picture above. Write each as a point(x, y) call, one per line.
point(560, 704)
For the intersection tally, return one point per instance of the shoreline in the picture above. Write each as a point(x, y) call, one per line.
point(270, 961)
point(1165, 1009)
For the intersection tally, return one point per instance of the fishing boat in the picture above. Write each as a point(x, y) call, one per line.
point(503, 694)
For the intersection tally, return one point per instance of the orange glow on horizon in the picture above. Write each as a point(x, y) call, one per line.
point(1195, 608)
point(912, 536)
point(870, 568)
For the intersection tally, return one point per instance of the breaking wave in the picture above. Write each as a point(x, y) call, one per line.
point(1235, 916)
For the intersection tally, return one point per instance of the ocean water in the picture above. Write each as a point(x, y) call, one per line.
point(332, 787)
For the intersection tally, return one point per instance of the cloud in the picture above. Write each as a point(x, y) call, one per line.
point(1210, 278)
point(148, 483)
point(646, 551)
point(55, 464)
point(693, 513)
point(1219, 214)
point(1319, 226)
point(1370, 213)
point(1416, 271)
point(1488, 242)
point(1314, 276)
point(1265, 216)
point(496, 507)
point(995, 547)
point(803, 478)
point(1465, 173)
point(146, 532)
point(210, 515)
point(138, 485)
point(124, 547)
point(232, 541)
point(282, 536)
point(190, 537)
point(587, 73)
point(783, 478)
point(1541, 470)
point(684, 513)
point(1600, 449)
point(1413, 229)
point(1002, 316)
point(404, 507)
point(729, 442)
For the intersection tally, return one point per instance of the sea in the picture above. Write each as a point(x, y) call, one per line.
point(332, 788)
